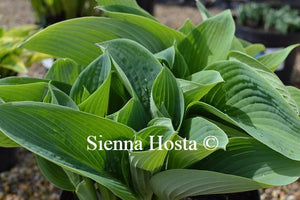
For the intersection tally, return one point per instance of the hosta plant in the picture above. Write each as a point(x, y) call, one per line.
point(14, 60)
point(260, 15)
point(128, 78)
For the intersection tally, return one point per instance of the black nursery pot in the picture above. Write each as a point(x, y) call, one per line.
point(273, 40)
point(251, 195)
point(66, 195)
point(8, 158)
point(148, 5)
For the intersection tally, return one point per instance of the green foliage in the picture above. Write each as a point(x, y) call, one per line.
point(14, 60)
point(127, 77)
point(48, 12)
point(283, 20)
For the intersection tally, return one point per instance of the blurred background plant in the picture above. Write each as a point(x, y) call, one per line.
point(261, 15)
point(48, 12)
point(14, 60)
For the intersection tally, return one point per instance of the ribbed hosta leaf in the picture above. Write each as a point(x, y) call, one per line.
point(64, 70)
point(132, 114)
point(237, 45)
point(55, 96)
point(255, 106)
point(273, 60)
point(91, 78)
point(249, 158)
point(209, 42)
point(180, 68)
point(295, 94)
point(166, 185)
point(130, 3)
point(167, 98)
point(199, 84)
point(267, 74)
point(255, 49)
point(23, 92)
point(6, 142)
point(136, 66)
point(187, 27)
point(26, 80)
point(62, 139)
point(111, 11)
point(217, 117)
point(143, 164)
point(86, 190)
point(97, 103)
point(197, 129)
point(167, 56)
point(55, 174)
point(76, 38)
point(151, 160)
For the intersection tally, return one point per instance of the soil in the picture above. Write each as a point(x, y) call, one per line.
point(25, 181)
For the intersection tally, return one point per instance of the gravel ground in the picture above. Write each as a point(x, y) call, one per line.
point(25, 181)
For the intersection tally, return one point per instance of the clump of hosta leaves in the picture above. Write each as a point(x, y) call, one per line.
point(14, 60)
point(260, 15)
point(128, 77)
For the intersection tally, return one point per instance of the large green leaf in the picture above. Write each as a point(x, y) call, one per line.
point(64, 132)
point(209, 42)
point(23, 92)
point(249, 158)
point(56, 96)
point(98, 88)
point(295, 94)
point(200, 130)
point(76, 38)
point(180, 68)
point(130, 3)
point(167, 98)
point(199, 84)
point(98, 102)
point(26, 80)
point(255, 106)
point(6, 142)
point(187, 27)
point(273, 60)
point(20, 80)
point(55, 174)
point(100, 70)
point(217, 117)
point(109, 10)
point(167, 56)
point(143, 164)
point(197, 182)
point(205, 14)
point(64, 70)
point(133, 114)
point(255, 49)
point(267, 74)
point(136, 66)
point(154, 155)
point(86, 190)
